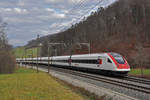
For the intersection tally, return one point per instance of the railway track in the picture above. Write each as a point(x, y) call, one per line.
point(127, 82)
point(139, 80)
point(121, 83)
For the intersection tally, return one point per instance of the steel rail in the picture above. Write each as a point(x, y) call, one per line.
point(139, 80)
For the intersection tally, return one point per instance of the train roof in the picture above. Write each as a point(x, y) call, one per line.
point(95, 54)
point(80, 55)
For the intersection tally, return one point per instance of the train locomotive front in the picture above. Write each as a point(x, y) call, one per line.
point(120, 64)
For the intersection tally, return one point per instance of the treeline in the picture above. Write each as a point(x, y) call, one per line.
point(122, 27)
point(7, 60)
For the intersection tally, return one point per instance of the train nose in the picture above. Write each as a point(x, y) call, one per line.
point(123, 66)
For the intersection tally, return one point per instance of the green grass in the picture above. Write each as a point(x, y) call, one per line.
point(26, 84)
point(20, 52)
point(23, 70)
point(138, 72)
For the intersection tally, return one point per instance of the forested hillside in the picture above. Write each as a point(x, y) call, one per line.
point(123, 27)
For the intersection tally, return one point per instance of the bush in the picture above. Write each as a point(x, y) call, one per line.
point(7, 62)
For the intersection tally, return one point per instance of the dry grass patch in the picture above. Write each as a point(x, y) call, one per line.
point(26, 84)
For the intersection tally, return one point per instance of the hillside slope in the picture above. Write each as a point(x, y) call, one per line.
point(123, 27)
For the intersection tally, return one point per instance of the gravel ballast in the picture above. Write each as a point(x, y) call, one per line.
point(100, 91)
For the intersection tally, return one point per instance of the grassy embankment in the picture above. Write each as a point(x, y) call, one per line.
point(20, 52)
point(138, 72)
point(26, 84)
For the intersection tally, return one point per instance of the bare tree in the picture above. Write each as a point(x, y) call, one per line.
point(7, 61)
point(141, 58)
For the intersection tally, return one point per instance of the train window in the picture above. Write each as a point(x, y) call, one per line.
point(89, 61)
point(109, 61)
point(118, 58)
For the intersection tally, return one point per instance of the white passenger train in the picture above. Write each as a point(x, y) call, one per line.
point(110, 63)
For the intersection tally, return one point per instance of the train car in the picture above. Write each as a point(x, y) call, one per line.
point(108, 63)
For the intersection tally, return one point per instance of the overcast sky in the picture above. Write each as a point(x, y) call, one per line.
point(27, 18)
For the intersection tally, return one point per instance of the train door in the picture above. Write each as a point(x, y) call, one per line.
point(70, 61)
point(109, 64)
point(51, 60)
point(99, 61)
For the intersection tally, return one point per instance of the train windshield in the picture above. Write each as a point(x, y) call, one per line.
point(118, 58)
